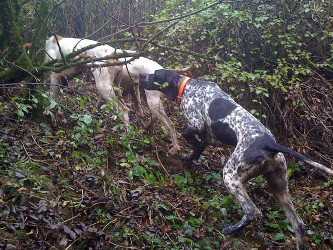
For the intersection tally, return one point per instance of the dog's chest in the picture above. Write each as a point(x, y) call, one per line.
point(194, 103)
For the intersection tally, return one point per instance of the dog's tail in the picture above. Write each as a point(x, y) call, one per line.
point(184, 70)
point(278, 148)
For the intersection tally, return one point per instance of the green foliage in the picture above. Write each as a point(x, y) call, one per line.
point(292, 167)
point(279, 223)
point(184, 183)
point(102, 178)
point(268, 46)
point(219, 204)
point(22, 109)
point(213, 176)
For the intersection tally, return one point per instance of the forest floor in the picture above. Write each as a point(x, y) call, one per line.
point(79, 180)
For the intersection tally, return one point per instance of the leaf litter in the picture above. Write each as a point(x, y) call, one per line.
point(82, 181)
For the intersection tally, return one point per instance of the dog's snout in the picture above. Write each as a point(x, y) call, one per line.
point(143, 79)
point(143, 76)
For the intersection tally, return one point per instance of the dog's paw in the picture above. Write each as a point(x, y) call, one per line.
point(228, 229)
point(189, 157)
point(174, 149)
point(185, 158)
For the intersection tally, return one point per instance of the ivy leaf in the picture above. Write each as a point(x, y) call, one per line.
point(20, 113)
point(87, 119)
point(278, 237)
point(273, 225)
point(130, 175)
point(162, 205)
point(179, 180)
point(53, 103)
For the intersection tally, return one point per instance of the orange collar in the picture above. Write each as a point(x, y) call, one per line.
point(181, 89)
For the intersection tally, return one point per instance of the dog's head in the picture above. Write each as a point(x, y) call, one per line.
point(162, 80)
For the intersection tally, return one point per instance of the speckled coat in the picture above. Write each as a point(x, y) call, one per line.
point(207, 107)
point(218, 120)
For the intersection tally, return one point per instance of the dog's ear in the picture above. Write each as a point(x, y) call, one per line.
point(172, 77)
point(171, 90)
point(161, 75)
point(168, 81)
point(165, 75)
point(170, 94)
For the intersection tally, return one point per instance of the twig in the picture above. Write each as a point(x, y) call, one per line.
point(70, 245)
point(155, 35)
point(19, 67)
point(30, 160)
point(43, 150)
point(182, 51)
point(159, 160)
point(65, 221)
point(107, 225)
point(58, 66)
point(217, 231)
point(119, 246)
point(175, 209)
point(186, 15)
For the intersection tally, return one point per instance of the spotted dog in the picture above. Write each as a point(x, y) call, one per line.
point(214, 118)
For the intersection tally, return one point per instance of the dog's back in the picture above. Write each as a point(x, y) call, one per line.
point(132, 70)
point(222, 114)
point(66, 44)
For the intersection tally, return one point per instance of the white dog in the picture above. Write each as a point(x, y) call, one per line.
point(104, 76)
point(127, 79)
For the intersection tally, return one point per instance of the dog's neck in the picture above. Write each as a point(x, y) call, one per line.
point(181, 87)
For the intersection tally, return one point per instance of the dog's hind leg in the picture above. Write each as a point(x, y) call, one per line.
point(56, 80)
point(234, 182)
point(277, 181)
point(105, 89)
point(61, 79)
point(137, 98)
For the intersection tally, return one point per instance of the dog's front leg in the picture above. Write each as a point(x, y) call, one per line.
point(189, 134)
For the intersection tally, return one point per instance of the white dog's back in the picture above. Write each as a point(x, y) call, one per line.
point(68, 45)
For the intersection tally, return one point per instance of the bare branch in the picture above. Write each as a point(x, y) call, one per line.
point(188, 52)
point(186, 15)
point(90, 62)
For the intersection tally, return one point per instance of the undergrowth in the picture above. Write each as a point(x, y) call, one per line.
point(81, 180)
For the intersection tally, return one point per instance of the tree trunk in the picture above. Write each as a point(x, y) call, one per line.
point(20, 65)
